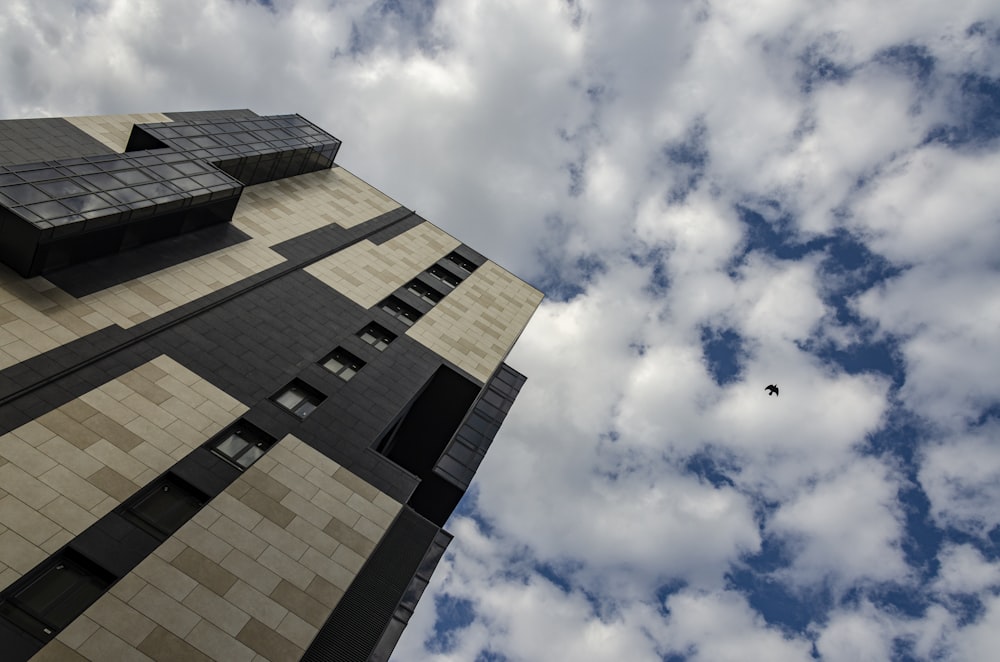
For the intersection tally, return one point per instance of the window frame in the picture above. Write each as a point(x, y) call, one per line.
point(461, 262)
point(19, 607)
point(379, 334)
point(307, 404)
point(250, 435)
point(399, 310)
point(443, 276)
point(348, 362)
point(423, 291)
point(147, 521)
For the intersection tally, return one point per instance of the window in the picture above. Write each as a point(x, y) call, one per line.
point(165, 506)
point(376, 336)
point(299, 399)
point(242, 445)
point(448, 279)
point(52, 598)
point(400, 311)
point(425, 292)
point(342, 363)
point(460, 262)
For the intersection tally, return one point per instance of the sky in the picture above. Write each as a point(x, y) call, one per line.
point(714, 196)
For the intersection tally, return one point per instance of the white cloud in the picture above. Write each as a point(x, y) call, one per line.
point(961, 477)
point(845, 530)
point(721, 627)
point(964, 570)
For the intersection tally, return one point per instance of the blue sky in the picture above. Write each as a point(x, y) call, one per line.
point(715, 196)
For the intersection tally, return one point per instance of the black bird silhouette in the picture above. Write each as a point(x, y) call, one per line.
point(771, 389)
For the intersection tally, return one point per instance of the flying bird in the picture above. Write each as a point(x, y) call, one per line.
point(771, 389)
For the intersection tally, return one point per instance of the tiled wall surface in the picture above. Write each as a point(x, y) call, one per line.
point(36, 316)
point(286, 208)
point(64, 470)
point(253, 576)
point(367, 273)
point(114, 130)
point(476, 325)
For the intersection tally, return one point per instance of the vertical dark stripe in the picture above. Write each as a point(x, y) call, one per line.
point(355, 627)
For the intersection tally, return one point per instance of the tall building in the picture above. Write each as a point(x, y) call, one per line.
point(241, 391)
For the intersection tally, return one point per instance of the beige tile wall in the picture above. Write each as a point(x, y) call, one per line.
point(64, 470)
point(253, 576)
point(36, 316)
point(367, 273)
point(114, 130)
point(476, 325)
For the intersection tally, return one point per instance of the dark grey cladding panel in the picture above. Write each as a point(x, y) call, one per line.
point(47, 139)
point(356, 626)
point(232, 114)
point(102, 273)
point(280, 331)
point(408, 601)
point(462, 457)
point(398, 221)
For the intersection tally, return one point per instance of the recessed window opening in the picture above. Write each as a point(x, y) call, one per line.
point(242, 445)
point(376, 336)
point(61, 590)
point(447, 279)
point(166, 506)
point(342, 363)
point(425, 292)
point(460, 262)
point(400, 311)
point(299, 399)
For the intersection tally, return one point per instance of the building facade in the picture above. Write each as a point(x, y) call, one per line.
point(241, 391)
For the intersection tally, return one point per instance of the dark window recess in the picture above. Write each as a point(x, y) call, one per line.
point(460, 262)
point(299, 399)
point(342, 363)
point(425, 292)
point(417, 438)
point(165, 506)
point(48, 600)
point(376, 336)
point(448, 279)
point(404, 313)
point(242, 444)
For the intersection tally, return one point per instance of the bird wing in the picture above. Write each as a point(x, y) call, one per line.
point(776, 390)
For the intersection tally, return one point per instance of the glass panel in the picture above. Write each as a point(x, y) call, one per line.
point(126, 195)
point(168, 507)
point(381, 345)
point(368, 337)
point(37, 175)
point(291, 398)
point(333, 365)
point(131, 177)
point(250, 456)
point(48, 589)
point(232, 446)
point(24, 194)
point(305, 409)
point(50, 210)
point(348, 373)
point(61, 187)
point(84, 594)
point(84, 203)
